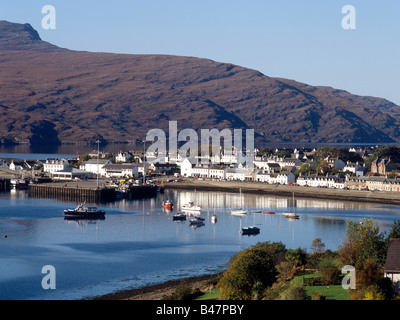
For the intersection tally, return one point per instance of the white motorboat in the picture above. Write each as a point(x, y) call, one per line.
point(191, 208)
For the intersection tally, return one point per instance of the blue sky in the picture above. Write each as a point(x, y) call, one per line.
point(300, 40)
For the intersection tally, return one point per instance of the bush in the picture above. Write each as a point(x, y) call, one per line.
point(330, 273)
point(250, 266)
point(317, 296)
point(183, 292)
point(294, 292)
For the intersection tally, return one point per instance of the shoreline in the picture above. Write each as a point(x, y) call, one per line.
point(378, 197)
point(158, 291)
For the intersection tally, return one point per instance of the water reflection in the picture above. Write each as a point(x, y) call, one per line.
point(139, 241)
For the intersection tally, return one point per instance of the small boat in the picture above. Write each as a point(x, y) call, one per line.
point(167, 205)
point(191, 207)
point(239, 212)
point(179, 217)
point(197, 221)
point(214, 218)
point(291, 215)
point(18, 184)
point(84, 212)
point(250, 230)
point(268, 212)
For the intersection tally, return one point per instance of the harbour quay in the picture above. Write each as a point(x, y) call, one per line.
point(88, 191)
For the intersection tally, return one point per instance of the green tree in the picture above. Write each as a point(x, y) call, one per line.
point(295, 257)
point(250, 271)
point(317, 245)
point(363, 240)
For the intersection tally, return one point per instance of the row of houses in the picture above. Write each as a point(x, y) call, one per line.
point(60, 169)
point(235, 173)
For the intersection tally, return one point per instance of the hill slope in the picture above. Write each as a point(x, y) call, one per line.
point(53, 95)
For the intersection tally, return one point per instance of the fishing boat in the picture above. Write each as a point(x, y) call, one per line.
point(250, 230)
point(191, 208)
point(179, 217)
point(84, 212)
point(167, 205)
point(18, 183)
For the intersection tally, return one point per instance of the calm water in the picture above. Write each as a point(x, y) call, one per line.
point(139, 244)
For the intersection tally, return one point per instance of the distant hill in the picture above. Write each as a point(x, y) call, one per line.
point(54, 95)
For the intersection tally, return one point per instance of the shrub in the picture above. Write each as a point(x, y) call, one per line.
point(317, 296)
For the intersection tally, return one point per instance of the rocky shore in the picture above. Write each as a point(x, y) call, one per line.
point(159, 291)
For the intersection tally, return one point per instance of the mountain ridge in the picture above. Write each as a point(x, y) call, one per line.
point(54, 95)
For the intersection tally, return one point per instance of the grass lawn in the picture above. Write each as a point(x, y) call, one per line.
point(335, 292)
point(213, 295)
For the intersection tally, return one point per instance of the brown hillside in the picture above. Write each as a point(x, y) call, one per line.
point(52, 95)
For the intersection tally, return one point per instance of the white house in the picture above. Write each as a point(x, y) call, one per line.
point(14, 166)
point(285, 178)
point(186, 168)
point(321, 181)
point(272, 178)
point(201, 170)
point(351, 167)
point(218, 172)
point(121, 170)
point(242, 174)
point(54, 165)
point(123, 156)
point(94, 166)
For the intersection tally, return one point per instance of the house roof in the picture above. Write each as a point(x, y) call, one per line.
point(119, 166)
point(393, 256)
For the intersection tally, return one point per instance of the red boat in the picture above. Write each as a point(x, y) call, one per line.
point(268, 212)
point(167, 205)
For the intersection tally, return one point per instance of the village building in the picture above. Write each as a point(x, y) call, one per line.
point(218, 172)
point(120, 170)
point(69, 174)
point(94, 166)
point(123, 156)
point(383, 166)
point(392, 267)
point(54, 165)
point(320, 181)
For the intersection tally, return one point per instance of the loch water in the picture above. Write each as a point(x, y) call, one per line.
point(138, 243)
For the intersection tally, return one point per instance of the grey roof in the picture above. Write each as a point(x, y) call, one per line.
point(393, 256)
point(119, 166)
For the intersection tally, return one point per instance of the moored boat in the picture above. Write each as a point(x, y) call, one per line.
point(167, 205)
point(239, 212)
point(179, 217)
point(198, 221)
point(191, 207)
point(268, 212)
point(250, 230)
point(84, 212)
